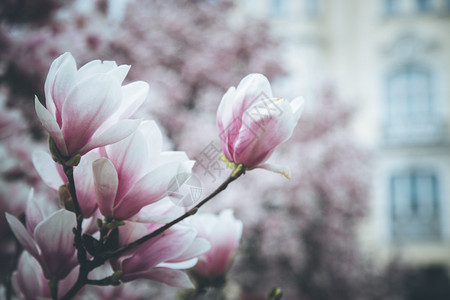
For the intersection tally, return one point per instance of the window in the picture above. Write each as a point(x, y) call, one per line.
point(415, 206)
point(411, 106)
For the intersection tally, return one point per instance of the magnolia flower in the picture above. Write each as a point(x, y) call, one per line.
point(252, 123)
point(87, 108)
point(53, 175)
point(223, 232)
point(161, 258)
point(49, 239)
point(134, 172)
point(31, 283)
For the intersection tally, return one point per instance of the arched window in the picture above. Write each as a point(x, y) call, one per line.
point(414, 197)
point(411, 108)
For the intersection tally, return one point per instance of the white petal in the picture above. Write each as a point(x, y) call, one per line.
point(49, 123)
point(46, 167)
point(115, 133)
point(297, 107)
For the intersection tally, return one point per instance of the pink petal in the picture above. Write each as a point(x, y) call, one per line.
point(105, 183)
point(33, 214)
point(163, 248)
point(227, 124)
point(22, 235)
point(150, 188)
point(197, 248)
point(113, 134)
point(55, 238)
point(60, 79)
point(29, 276)
point(130, 159)
point(266, 126)
point(46, 167)
point(87, 106)
point(252, 88)
point(162, 211)
point(175, 278)
point(84, 184)
point(49, 124)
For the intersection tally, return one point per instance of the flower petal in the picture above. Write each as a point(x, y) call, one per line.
point(150, 188)
point(252, 88)
point(133, 95)
point(22, 235)
point(84, 183)
point(106, 182)
point(55, 238)
point(197, 248)
point(120, 73)
point(130, 160)
point(45, 166)
point(175, 278)
point(186, 264)
point(49, 124)
point(60, 79)
point(28, 276)
point(172, 244)
point(87, 106)
point(95, 67)
point(113, 134)
point(297, 107)
point(267, 124)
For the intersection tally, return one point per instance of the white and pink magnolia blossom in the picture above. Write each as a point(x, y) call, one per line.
point(134, 172)
point(48, 238)
point(252, 123)
point(31, 282)
point(89, 107)
point(161, 258)
point(224, 233)
point(53, 175)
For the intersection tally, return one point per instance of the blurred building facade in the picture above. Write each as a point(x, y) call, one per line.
point(392, 59)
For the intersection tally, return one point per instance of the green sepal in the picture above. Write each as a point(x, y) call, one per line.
point(228, 163)
point(275, 294)
point(74, 160)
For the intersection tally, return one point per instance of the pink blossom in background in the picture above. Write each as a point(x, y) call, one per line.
point(134, 172)
point(87, 108)
point(224, 233)
point(31, 283)
point(252, 123)
point(161, 258)
point(50, 241)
